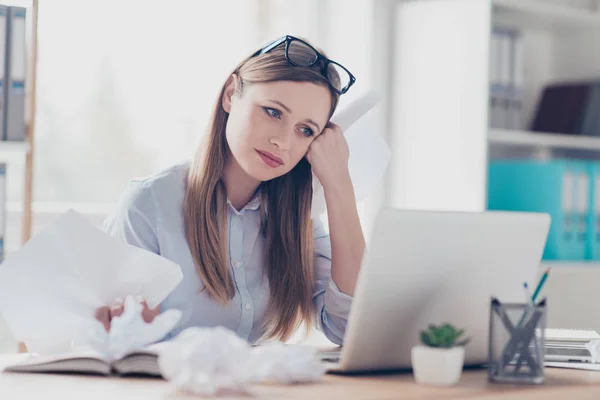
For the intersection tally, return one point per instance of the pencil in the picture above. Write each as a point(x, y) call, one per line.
point(540, 285)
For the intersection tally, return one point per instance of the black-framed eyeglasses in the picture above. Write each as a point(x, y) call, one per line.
point(302, 54)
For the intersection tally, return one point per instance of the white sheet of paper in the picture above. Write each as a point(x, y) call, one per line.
point(573, 365)
point(51, 287)
point(369, 153)
point(572, 335)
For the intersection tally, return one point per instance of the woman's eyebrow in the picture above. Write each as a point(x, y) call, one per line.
point(310, 121)
point(286, 108)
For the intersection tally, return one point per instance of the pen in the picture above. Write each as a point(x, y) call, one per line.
point(540, 285)
point(528, 298)
point(529, 304)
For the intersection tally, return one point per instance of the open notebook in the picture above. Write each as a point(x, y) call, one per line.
point(138, 362)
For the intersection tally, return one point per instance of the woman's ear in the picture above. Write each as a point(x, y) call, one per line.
point(230, 89)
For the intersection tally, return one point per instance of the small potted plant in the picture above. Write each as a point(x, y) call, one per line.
point(439, 361)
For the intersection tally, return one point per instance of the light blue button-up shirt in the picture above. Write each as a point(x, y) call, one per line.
point(150, 215)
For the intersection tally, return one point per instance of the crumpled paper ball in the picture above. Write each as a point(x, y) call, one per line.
point(129, 331)
point(213, 361)
point(285, 364)
point(207, 361)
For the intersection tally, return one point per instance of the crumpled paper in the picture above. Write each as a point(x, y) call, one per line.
point(68, 270)
point(594, 349)
point(285, 364)
point(206, 361)
point(129, 331)
point(214, 361)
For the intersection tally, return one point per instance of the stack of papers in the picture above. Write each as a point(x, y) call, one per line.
point(51, 288)
point(565, 347)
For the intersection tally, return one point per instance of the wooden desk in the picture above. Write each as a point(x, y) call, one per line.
point(561, 384)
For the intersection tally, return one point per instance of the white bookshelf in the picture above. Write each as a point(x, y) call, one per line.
point(558, 44)
point(569, 264)
point(14, 155)
point(543, 140)
point(438, 93)
point(14, 148)
point(543, 14)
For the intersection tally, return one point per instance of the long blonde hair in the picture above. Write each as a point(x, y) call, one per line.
point(286, 201)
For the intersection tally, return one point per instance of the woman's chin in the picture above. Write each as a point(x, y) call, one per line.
point(265, 176)
point(261, 174)
point(264, 172)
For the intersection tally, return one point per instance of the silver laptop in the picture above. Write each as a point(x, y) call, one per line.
point(434, 267)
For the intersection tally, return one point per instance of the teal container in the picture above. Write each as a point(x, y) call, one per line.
point(593, 237)
point(558, 187)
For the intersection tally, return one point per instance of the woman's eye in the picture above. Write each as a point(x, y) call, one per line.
point(307, 132)
point(273, 113)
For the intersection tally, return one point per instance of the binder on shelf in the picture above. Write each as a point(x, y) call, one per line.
point(562, 108)
point(3, 52)
point(2, 210)
point(590, 124)
point(15, 74)
point(517, 80)
point(593, 237)
point(581, 202)
point(506, 79)
point(495, 111)
point(553, 187)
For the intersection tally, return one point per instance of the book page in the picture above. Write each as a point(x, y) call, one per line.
point(33, 358)
point(83, 362)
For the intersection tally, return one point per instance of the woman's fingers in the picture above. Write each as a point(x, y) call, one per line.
point(148, 314)
point(141, 300)
point(117, 308)
point(103, 315)
point(106, 314)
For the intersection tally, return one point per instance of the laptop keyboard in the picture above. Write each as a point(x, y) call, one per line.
point(330, 355)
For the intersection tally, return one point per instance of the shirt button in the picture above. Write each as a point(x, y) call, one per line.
point(237, 264)
point(248, 306)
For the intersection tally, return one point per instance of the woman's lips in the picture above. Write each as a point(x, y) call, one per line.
point(270, 159)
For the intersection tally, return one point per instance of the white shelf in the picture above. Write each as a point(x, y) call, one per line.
point(14, 147)
point(543, 140)
point(569, 264)
point(543, 14)
point(13, 154)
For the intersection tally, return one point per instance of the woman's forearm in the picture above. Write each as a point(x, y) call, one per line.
point(346, 235)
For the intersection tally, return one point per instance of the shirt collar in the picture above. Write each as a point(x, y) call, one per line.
point(252, 205)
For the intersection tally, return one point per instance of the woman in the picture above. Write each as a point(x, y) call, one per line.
point(237, 219)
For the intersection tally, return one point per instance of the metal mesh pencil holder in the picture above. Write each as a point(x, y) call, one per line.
point(516, 342)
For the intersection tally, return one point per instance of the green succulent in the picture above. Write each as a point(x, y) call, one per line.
point(444, 336)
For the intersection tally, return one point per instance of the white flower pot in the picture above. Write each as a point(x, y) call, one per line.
point(437, 366)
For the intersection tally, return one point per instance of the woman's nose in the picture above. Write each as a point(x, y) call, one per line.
point(281, 141)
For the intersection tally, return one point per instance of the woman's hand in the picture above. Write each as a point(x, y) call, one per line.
point(328, 155)
point(106, 314)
